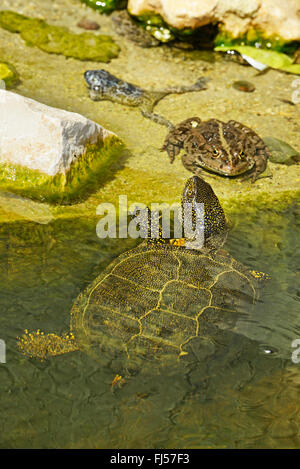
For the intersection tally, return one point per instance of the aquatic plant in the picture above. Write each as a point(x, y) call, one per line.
point(59, 40)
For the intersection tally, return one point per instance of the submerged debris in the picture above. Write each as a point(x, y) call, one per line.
point(25, 208)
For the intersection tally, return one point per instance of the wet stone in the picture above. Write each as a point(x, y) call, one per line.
point(245, 86)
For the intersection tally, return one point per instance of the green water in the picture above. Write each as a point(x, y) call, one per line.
point(234, 396)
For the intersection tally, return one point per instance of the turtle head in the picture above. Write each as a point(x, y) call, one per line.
point(203, 217)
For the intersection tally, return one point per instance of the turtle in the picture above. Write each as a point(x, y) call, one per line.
point(160, 300)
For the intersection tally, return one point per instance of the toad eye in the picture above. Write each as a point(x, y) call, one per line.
point(216, 153)
point(242, 154)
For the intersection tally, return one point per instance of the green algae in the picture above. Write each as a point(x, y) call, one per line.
point(106, 6)
point(258, 39)
point(59, 40)
point(8, 74)
point(25, 208)
point(273, 59)
point(84, 176)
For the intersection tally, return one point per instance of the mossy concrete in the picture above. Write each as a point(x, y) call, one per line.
point(146, 174)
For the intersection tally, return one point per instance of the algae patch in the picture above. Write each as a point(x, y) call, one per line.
point(84, 176)
point(59, 40)
point(8, 74)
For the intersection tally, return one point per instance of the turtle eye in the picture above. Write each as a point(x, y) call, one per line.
point(215, 153)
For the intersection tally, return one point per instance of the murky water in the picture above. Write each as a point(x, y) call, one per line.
point(238, 396)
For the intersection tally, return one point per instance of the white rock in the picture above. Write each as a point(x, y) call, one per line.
point(43, 138)
point(274, 17)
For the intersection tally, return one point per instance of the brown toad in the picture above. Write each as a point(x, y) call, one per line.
point(229, 149)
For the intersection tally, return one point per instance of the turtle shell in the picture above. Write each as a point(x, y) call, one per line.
point(157, 300)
